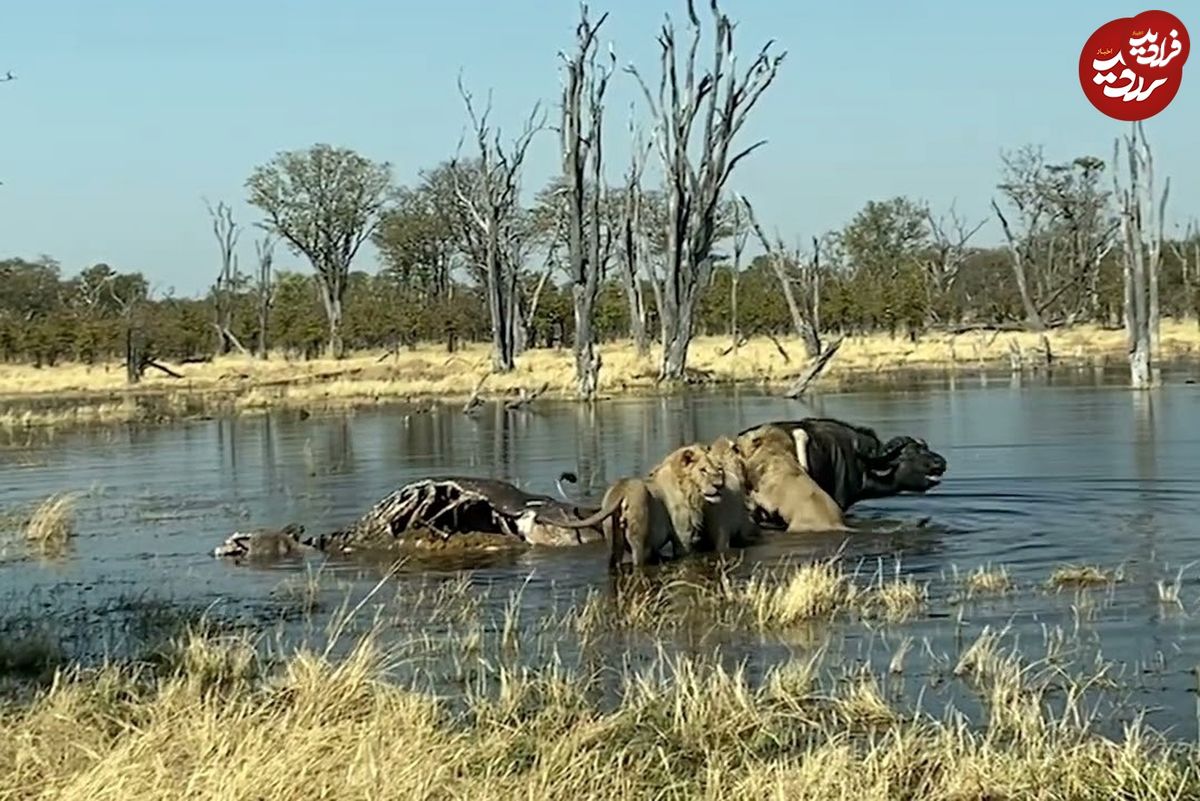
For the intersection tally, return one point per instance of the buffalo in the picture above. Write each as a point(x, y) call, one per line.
point(852, 464)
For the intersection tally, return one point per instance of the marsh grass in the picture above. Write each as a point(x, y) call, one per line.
point(815, 591)
point(223, 716)
point(49, 530)
point(97, 394)
point(1083, 577)
point(987, 580)
point(432, 688)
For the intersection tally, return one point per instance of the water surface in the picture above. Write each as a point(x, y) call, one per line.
point(1043, 470)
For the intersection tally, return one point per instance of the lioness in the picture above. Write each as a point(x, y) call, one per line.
point(852, 464)
point(666, 505)
point(728, 522)
point(780, 486)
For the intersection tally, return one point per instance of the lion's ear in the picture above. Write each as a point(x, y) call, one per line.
point(687, 456)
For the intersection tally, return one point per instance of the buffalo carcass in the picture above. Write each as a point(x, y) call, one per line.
point(446, 510)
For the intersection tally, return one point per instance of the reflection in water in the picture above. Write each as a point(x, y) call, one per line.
point(1041, 472)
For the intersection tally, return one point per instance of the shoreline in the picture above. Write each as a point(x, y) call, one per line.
point(81, 395)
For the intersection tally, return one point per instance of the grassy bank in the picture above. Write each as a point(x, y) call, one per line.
point(73, 393)
point(227, 715)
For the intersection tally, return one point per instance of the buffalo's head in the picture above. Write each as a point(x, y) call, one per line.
point(904, 464)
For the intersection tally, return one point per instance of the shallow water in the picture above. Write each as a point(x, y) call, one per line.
point(1043, 470)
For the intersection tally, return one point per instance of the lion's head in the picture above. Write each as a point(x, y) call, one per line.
point(724, 451)
point(693, 470)
point(765, 439)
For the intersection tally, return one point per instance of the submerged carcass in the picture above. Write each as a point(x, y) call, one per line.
point(448, 512)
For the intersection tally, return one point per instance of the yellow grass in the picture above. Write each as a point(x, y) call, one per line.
point(212, 716)
point(1082, 576)
point(48, 531)
point(813, 591)
point(95, 393)
point(988, 580)
point(216, 721)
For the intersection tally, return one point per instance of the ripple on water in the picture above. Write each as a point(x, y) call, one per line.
point(1038, 476)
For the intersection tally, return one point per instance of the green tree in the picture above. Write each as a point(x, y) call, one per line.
point(324, 202)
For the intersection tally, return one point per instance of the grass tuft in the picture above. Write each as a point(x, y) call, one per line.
point(987, 580)
point(1082, 577)
point(49, 530)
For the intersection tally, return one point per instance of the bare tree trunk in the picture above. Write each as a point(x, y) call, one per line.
point(265, 251)
point(806, 330)
point(335, 347)
point(135, 355)
point(740, 235)
point(500, 306)
point(227, 233)
point(813, 285)
point(1191, 240)
point(491, 205)
point(534, 302)
point(517, 336)
point(949, 254)
point(1139, 217)
point(583, 212)
point(720, 101)
point(636, 252)
point(1033, 318)
point(1155, 214)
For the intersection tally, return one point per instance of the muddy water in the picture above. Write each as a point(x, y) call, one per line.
point(1043, 470)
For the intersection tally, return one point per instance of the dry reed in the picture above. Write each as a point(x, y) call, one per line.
point(49, 529)
point(217, 720)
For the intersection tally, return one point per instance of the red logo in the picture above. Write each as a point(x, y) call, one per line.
point(1131, 68)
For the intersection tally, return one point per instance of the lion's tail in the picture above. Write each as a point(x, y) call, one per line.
point(605, 512)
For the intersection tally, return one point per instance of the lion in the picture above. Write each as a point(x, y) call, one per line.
point(729, 522)
point(779, 485)
point(644, 513)
point(852, 464)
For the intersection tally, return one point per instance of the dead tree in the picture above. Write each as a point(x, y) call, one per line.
point(581, 137)
point(805, 324)
point(947, 255)
point(489, 195)
point(1141, 226)
point(130, 303)
point(1187, 252)
point(635, 243)
point(719, 100)
point(227, 233)
point(740, 235)
point(1020, 266)
point(264, 249)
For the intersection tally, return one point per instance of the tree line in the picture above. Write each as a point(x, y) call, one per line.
point(591, 259)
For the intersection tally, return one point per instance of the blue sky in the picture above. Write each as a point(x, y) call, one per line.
point(125, 114)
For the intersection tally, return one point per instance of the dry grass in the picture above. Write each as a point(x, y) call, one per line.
point(216, 720)
point(52, 524)
point(1082, 577)
point(988, 580)
point(237, 716)
point(247, 384)
point(814, 591)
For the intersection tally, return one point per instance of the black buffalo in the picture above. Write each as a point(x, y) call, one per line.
point(852, 464)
